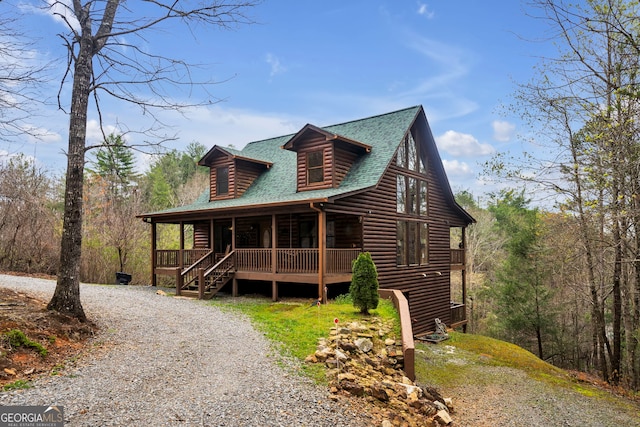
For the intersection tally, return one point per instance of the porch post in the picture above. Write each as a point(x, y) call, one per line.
point(200, 283)
point(322, 244)
point(464, 277)
point(274, 258)
point(211, 235)
point(179, 282)
point(233, 233)
point(154, 255)
point(181, 260)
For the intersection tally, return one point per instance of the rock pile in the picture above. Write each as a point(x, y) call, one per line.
point(365, 360)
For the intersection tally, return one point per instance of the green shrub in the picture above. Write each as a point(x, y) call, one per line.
point(364, 283)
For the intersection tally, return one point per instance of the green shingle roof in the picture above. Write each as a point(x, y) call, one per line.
point(278, 183)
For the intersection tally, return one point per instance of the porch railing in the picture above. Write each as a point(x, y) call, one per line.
point(295, 260)
point(458, 313)
point(190, 274)
point(341, 260)
point(457, 256)
point(304, 261)
point(171, 257)
point(253, 260)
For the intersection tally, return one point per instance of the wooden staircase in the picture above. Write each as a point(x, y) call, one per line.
point(205, 278)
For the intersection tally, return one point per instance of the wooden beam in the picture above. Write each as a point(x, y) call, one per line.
point(464, 277)
point(181, 260)
point(154, 255)
point(211, 233)
point(274, 257)
point(322, 244)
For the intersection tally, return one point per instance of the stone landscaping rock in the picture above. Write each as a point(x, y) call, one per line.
point(364, 344)
point(370, 365)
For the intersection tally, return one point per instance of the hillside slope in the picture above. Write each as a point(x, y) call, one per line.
point(494, 383)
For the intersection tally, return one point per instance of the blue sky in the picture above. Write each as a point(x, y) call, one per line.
point(326, 62)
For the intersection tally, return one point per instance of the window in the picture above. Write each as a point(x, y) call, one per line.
point(409, 156)
point(222, 181)
point(411, 195)
point(315, 167)
point(401, 253)
point(401, 159)
point(424, 242)
point(412, 245)
point(423, 198)
point(412, 154)
point(401, 194)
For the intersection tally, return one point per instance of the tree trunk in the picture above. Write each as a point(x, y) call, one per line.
point(617, 294)
point(66, 298)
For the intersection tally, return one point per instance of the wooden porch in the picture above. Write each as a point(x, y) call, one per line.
point(459, 310)
point(204, 272)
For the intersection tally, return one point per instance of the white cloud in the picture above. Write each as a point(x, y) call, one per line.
point(462, 144)
point(94, 133)
point(276, 65)
point(455, 168)
point(503, 131)
point(423, 9)
point(448, 62)
point(217, 125)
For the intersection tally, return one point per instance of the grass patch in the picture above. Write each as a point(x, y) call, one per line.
point(296, 326)
point(17, 338)
point(502, 353)
point(456, 361)
point(17, 385)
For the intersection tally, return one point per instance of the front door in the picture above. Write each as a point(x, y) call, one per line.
point(222, 235)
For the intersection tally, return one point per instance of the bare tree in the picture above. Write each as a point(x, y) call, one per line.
point(585, 104)
point(103, 60)
point(20, 77)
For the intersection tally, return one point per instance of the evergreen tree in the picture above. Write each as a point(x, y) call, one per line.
point(115, 163)
point(521, 286)
point(364, 283)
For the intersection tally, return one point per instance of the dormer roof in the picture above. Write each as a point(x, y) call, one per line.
point(303, 133)
point(232, 153)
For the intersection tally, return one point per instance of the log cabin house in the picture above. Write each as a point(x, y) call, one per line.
point(295, 211)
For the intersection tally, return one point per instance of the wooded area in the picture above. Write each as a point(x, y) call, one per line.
point(559, 276)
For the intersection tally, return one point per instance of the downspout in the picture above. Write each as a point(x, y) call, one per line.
point(322, 242)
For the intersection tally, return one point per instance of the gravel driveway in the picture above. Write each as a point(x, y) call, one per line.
point(175, 362)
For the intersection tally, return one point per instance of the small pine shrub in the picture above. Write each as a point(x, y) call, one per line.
point(364, 283)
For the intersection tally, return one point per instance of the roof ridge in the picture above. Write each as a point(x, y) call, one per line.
point(375, 116)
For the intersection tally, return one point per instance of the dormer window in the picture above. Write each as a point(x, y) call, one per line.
point(323, 158)
point(315, 167)
point(222, 181)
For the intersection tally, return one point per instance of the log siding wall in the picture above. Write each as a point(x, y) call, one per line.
point(306, 147)
point(427, 286)
point(220, 163)
point(343, 159)
point(245, 174)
